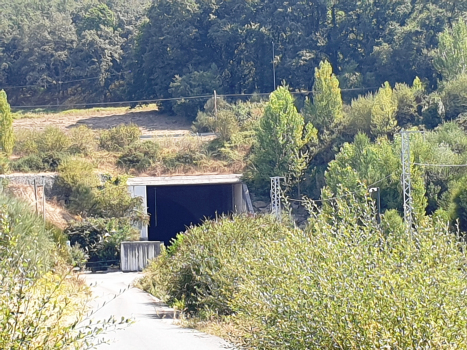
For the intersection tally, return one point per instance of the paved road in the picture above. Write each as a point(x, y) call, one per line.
point(149, 331)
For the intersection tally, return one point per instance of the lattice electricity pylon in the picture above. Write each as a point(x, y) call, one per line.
point(276, 209)
point(406, 178)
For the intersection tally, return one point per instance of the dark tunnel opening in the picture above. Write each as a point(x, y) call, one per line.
point(173, 208)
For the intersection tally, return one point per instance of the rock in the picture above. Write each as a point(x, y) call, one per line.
point(260, 204)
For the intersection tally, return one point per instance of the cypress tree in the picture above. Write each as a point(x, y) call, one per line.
point(326, 111)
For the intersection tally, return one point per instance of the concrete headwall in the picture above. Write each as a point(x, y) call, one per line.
point(135, 256)
point(28, 179)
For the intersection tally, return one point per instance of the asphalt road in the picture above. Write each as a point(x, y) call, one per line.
point(153, 327)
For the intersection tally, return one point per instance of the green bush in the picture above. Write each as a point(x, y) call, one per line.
point(25, 141)
point(39, 309)
point(116, 139)
point(139, 156)
point(52, 140)
point(100, 239)
point(83, 140)
point(346, 286)
point(27, 164)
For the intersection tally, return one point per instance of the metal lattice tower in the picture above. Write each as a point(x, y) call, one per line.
point(276, 196)
point(406, 179)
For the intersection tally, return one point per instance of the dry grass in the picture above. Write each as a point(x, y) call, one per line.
point(97, 111)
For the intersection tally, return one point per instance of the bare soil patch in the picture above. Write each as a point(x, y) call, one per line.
point(151, 123)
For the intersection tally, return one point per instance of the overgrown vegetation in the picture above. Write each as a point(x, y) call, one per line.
point(41, 305)
point(346, 285)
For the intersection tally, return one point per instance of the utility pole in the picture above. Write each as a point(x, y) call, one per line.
point(274, 66)
point(406, 178)
point(276, 209)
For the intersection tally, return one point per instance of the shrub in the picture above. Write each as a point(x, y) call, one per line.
point(139, 156)
point(25, 141)
point(83, 140)
point(76, 172)
point(100, 239)
point(52, 140)
point(29, 163)
point(38, 309)
point(77, 180)
point(328, 286)
point(118, 138)
point(113, 200)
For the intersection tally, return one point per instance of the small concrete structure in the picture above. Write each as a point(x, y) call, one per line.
point(134, 256)
point(176, 202)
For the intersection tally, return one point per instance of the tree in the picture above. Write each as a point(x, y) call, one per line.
point(326, 110)
point(450, 59)
point(6, 125)
point(282, 140)
point(383, 112)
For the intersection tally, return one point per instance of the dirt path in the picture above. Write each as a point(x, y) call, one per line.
point(151, 123)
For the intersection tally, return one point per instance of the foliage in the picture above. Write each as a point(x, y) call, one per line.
point(41, 305)
point(179, 274)
point(195, 83)
point(6, 125)
point(100, 239)
point(325, 113)
point(454, 97)
point(28, 164)
point(282, 141)
point(450, 59)
point(112, 200)
point(82, 140)
point(52, 140)
point(278, 284)
point(358, 119)
point(139, 156)
point(383, 112)
point(116, 139)
point(408, 103)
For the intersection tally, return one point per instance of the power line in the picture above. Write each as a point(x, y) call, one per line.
point(170, 99)
point(59, 82)
point(117, 103)
point(442, 165)
point(344, 196)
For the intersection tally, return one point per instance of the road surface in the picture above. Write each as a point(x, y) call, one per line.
point(153, 327)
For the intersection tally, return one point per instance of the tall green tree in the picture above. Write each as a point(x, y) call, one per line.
point(6, 125)
point(326, 110)
point(282, 144)
point(450, 59)
point(383, 112)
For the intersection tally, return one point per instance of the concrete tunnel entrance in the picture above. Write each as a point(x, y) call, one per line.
point(174, 203)
point(173, 208)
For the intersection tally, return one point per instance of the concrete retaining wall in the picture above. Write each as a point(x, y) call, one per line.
point(135, 255)
point(28, 179)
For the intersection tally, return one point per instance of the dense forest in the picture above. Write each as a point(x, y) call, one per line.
point(88, 51)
